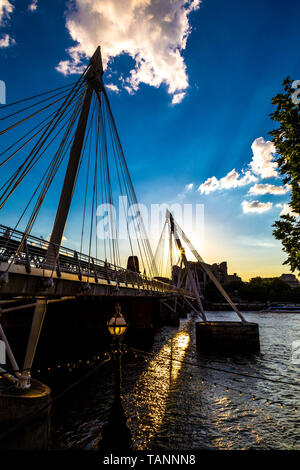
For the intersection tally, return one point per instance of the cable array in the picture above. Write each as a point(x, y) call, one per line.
point(37, 135)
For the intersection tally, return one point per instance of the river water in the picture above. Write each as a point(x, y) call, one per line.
point(195, 401)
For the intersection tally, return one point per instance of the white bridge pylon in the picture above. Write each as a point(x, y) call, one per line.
point(179, 234)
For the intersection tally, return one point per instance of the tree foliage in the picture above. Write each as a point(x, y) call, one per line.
point(286, 139)
point(256, 290)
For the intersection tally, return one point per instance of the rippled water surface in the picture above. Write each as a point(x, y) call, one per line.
point(190, 402)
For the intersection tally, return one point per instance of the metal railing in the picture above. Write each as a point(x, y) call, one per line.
point(30, 251)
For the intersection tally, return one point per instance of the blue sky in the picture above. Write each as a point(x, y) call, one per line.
point(230, 64)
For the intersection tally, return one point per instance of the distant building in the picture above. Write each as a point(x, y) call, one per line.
point(234, 278)
point(290, 279)
point(220, 272)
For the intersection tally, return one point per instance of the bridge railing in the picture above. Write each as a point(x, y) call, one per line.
point(31, 252)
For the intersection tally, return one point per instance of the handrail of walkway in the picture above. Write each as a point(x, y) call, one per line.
point(33, 255)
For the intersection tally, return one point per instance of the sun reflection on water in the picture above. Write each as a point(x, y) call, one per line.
point(151, 392)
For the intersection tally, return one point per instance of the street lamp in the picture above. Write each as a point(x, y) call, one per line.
point(117, 325)
point(115, 434)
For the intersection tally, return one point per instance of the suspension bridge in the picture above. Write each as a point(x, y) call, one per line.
point(65, 142)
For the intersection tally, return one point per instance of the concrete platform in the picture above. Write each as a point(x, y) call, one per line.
point(230, 337)
point(15, 407)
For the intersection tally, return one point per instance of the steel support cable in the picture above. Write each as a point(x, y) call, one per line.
point(111, 202)
point(53, 169)
point(100, 146)
point(98, 157)
point(100, 150)
point(31, 115)
point(34, 193)
point(14, 174)
point(123, 202)
point(115, 238)
point(36, 96)
point(7, 182)
point(127, 190)
point(145, 241)
point(102, 176)
point(34, 152)
point(28, 168)
point(35, 104)
point(41, 154)
point(156, 254)
point(92, 207)
point(78, 109)
point(48, 118)
point(128, 195)
point(129, 178)
point(56, 164)
point(108, 182)
point(40, 182)
point(121, 188)
point(104, 125)
point(53, 128)
point(92, 212)
point(96, 200)
point(81, 158)
point(115, 152)
point(132, 202)
point(30, 416)
point(209, 272)
point(89, 135)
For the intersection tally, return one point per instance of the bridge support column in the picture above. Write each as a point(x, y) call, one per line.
point(227, 337)
point(36, 326)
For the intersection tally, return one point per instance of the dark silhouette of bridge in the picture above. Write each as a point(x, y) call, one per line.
point(75, 124)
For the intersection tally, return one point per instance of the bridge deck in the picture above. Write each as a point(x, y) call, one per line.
point(25, 260)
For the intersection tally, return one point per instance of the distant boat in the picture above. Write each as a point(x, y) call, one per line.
point(282, 308)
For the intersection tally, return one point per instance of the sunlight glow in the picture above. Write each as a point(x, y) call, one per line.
point(152, 390)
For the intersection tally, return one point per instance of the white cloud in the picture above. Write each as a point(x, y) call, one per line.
point(189, 187)
point(269, 189)
point(253, 241)
point(112, 87)
point(262, 163)
point(6, 41)
point(178, 97)
point(233, 179)
point(287, 210)
point(154, 33)
point(256, 206)
point(33, 5)
point(209, 186)
point(6, 8)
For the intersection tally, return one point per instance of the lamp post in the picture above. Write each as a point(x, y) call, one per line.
point(115, 434)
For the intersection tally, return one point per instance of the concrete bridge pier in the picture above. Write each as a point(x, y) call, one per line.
point(25, 417)
point(142, 317)
point(227, 337)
